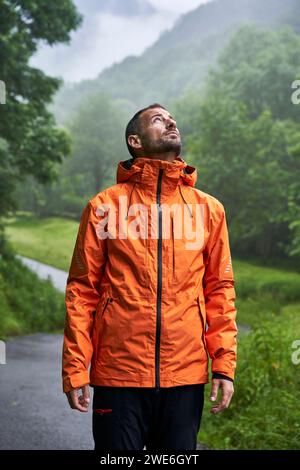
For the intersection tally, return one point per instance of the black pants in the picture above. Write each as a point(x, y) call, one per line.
point(129, 418)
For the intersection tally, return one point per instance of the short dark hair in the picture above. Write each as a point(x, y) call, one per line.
point(134, 125)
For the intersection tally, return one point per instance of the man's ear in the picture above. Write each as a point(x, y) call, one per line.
point(134, 141)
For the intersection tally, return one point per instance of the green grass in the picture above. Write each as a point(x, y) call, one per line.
point(49, 240)
point(262, 292)
point(264, 412)
point(27, 304)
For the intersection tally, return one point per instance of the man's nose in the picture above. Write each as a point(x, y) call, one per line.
point(171, 124)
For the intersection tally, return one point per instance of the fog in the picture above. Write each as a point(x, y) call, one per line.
point(110, 31)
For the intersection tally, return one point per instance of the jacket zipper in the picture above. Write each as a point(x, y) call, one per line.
point(159, 283)
point(173, 249)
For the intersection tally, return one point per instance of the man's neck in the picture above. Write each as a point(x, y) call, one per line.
point(167, 156)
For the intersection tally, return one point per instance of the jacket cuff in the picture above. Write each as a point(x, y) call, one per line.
point(216, 375)
point(75, 381)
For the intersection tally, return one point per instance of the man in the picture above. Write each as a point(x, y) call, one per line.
point(147, 305)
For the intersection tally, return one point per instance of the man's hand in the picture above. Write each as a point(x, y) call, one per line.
point(227, 392)
point(81, 402)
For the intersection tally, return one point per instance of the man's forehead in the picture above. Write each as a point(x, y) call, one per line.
point(146, 115)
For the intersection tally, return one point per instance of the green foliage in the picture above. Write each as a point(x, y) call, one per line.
point(99, 141)
point(98, 131)
point(27, 304)
point(263, 293)
point(258, 67)
point(263, 413)
point(30, 142)
point(245, 141)
point(253, 280)
point(48, 240)
point(7, 179)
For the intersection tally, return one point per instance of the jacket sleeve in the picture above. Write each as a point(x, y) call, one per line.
point(219, 294)
point(81, 298)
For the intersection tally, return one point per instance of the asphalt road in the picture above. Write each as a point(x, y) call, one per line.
point(34, 413)
point(44, 271)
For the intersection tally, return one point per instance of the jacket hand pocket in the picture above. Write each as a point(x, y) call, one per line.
point(98, 316)
point(104, 307)
point(202, 315)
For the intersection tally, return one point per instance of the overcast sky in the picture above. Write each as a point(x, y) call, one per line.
point(111, 30)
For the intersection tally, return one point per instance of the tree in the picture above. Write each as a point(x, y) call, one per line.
point(258, 67)
point(98, 143)
point(246, 141)
point(30, 142)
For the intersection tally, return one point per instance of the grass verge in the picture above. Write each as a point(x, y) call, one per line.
point(48, 240)
point(27, 303)
point(264, 412)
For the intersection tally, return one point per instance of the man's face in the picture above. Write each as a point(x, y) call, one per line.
point(159, 133)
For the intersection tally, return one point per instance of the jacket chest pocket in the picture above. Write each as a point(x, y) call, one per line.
point(184, 255)
point(128, 262)
point(178, 263)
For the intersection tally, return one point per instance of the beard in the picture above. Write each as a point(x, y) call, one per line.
point(162, 145)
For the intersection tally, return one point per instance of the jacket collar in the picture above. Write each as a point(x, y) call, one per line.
point(145, 170)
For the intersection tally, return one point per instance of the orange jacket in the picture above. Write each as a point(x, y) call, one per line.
point(149, 310)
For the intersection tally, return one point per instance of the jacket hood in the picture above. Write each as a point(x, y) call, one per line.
point(137, 170)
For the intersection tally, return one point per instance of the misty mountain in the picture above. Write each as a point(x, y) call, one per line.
point(222, 15)
point(179, 60)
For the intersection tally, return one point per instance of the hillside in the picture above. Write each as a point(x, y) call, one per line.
point(179, 60)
